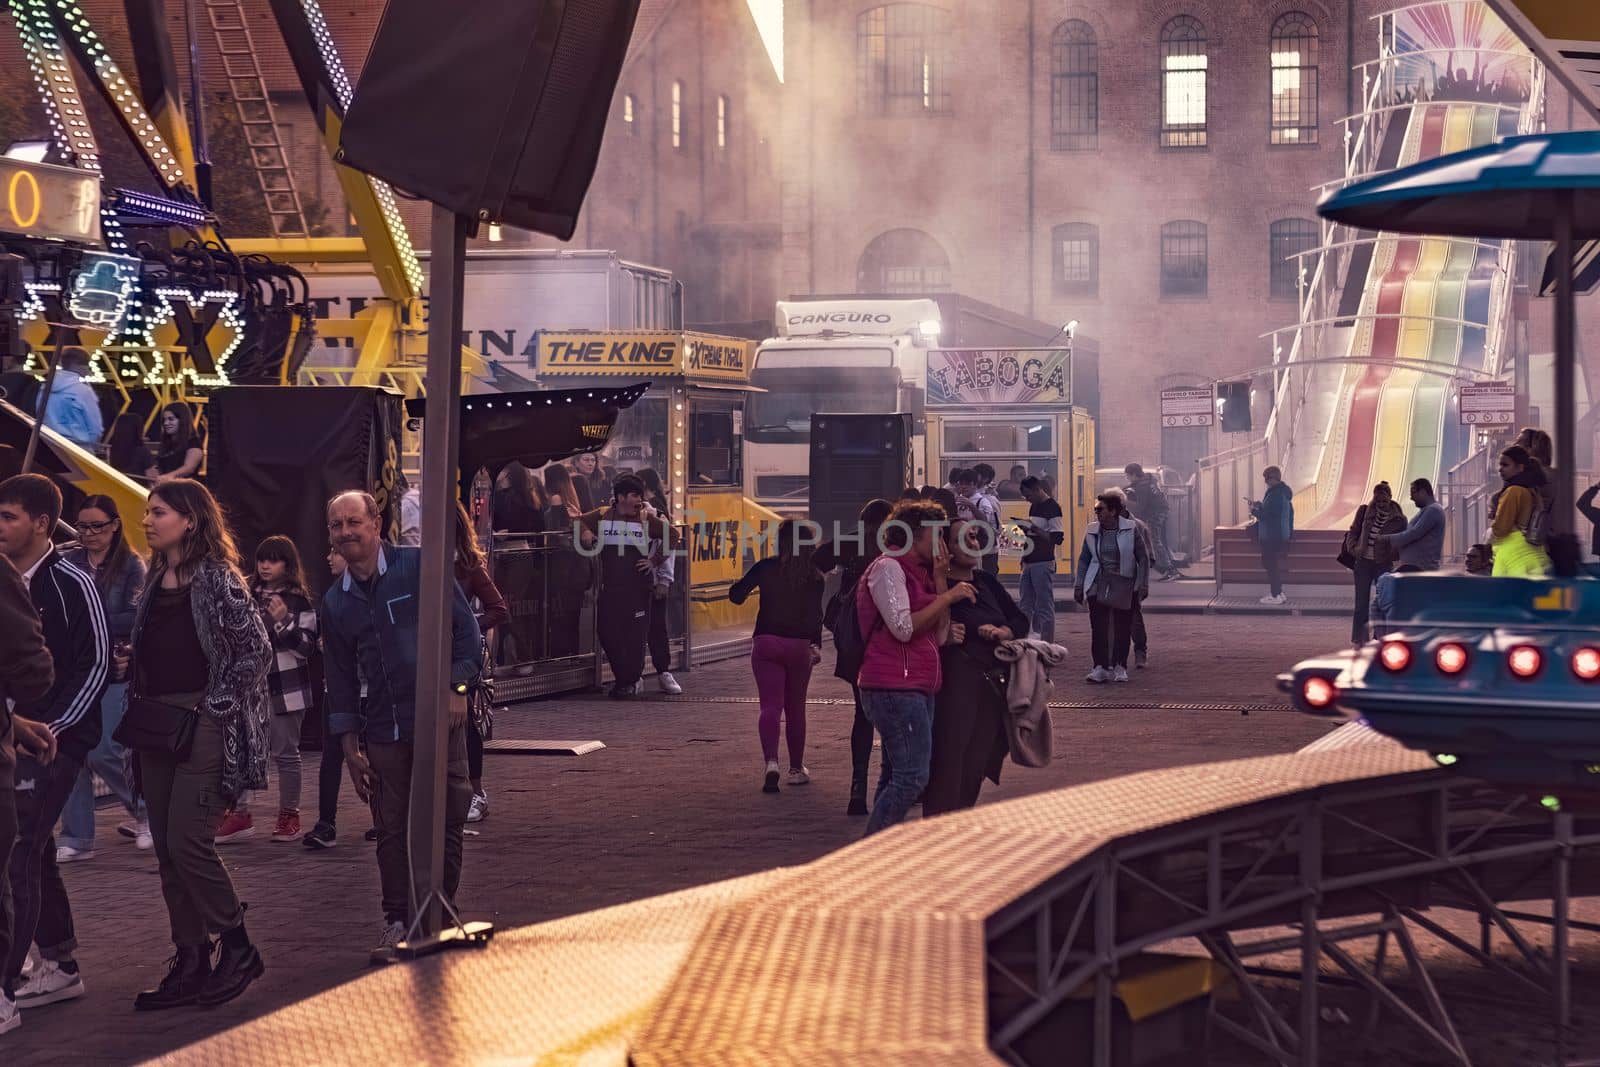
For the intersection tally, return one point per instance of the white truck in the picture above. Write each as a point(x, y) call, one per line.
point(832, 356)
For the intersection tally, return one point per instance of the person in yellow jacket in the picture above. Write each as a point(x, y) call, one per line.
point(1518, 504)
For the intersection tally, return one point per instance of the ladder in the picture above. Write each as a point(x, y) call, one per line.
point(256, 118)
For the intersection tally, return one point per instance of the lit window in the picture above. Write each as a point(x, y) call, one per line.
point(677, 114)
point(1288, 238)
point(722, 122)
point(901, 55)
point(1183, 258)
point(1294, 79)
point(1183, 83)
point(627, 115)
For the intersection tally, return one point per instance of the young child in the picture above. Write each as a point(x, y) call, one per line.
point(280, 590)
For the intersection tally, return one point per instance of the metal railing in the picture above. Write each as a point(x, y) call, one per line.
point(1222, 483)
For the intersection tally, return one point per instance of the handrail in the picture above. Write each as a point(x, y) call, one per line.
point(1356, 242)
point(1363, 315)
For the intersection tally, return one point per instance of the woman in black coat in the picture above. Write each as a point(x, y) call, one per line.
point(969, 731)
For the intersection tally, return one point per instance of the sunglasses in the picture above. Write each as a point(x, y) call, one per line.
point(96, 527)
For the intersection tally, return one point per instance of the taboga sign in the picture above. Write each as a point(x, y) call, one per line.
point(49, 203)
point(693, 355)
point(999, 376)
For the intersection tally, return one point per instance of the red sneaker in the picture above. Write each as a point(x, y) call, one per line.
point(288, 828)
point(236, 826)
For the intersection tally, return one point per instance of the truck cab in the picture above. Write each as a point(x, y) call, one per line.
point(831, 356)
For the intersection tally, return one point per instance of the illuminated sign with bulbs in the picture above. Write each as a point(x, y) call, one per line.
point(49, 203)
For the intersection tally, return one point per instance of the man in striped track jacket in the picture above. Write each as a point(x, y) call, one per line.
point(75, 632)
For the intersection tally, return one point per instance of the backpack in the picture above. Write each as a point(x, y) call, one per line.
point(1538, 528)
point(849, 643)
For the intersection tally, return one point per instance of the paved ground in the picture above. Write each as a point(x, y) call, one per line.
point(672, 801)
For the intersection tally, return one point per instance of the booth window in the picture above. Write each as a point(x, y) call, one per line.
point(714, 450)
point(983, 438)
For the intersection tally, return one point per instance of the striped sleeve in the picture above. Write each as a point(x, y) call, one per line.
point(82, 670)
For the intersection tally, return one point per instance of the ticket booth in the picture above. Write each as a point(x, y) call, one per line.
point(1012, 409)
point(688, 431)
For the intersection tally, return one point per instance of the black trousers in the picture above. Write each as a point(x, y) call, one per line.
point(8, 839)
point(1366, 572)
point(860, 742)
point(660, 634)
point(392, 762)
point(1141, 638)
point(1272, 562)
point(474, 750)
point(1110, 633)
point(42, 914)
point(624, 626)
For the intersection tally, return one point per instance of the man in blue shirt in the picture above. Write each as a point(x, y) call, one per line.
point(369, 632)
point(1420, 546)
point(72, 410)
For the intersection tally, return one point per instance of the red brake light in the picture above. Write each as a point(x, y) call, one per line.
point(1394, 655)
point(1451, 658)
point(1525, 661)
point(1586, 663)
point(1318, 692)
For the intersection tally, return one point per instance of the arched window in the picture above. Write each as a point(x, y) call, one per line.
point(903, 261)
point(1076, 254)
point(1294, 79)
point(1288, 238)
point(901, 55)
point(1183, 83)
point(1183, 258)
point(1074, 87)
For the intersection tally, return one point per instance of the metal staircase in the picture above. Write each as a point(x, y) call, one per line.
point(254, 108)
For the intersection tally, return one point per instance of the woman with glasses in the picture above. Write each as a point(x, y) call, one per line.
point(103, 554)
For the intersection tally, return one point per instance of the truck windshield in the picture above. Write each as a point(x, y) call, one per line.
point(783, 413)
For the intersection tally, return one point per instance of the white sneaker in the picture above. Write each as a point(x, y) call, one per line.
point(1120, 674)
point(799, 776)
point(10, 1014)
point(393, 934)
point(48, 984)
point(68, 854)
point(1098, 676)
point(668, 683)
point(479, 808)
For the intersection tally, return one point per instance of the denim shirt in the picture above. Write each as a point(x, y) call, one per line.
point(369, 635)
point(121, 594)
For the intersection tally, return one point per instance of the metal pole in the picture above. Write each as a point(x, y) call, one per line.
point(39, 408)
point(440, 451)
point(197, 110)
point(1566, 399)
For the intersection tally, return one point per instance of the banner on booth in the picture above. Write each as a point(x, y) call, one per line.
point(1000, 376)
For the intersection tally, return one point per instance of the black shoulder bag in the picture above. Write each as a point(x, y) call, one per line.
point(152, 725)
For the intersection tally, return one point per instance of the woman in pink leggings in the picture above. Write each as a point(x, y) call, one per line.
point(788, 643)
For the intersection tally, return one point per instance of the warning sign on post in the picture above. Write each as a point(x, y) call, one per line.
point(1488, 404)
point(1187, 407)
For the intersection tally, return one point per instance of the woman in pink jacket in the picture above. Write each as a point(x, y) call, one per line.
point(904, 619)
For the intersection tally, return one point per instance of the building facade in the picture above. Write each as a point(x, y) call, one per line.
point(1141, 166)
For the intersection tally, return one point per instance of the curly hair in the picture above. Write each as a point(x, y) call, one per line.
point(209, 540)
point(909, 517)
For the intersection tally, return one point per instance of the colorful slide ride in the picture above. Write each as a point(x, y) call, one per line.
point(1424, 300)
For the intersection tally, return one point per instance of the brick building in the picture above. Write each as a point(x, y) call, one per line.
point(1139, 166)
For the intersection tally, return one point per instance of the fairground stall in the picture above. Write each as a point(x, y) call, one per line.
point(1012, 409)
point(686, 433)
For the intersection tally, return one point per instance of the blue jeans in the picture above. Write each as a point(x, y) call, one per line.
point(1039, 598)
point(105, 759)
point(904, 719)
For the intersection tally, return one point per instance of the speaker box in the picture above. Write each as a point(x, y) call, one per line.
point(493, 110)
point(855, 458)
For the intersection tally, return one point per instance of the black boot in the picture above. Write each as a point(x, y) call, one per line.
point(187, 972)
point(238, 964)
point(858, 794)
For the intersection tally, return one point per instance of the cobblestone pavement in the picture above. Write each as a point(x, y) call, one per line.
point(672, 801)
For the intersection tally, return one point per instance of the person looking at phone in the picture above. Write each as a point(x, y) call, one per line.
point(904, 620)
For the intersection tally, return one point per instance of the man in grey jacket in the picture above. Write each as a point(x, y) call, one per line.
point(1420, 546)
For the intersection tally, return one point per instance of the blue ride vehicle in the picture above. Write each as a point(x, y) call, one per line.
point(1500, 676)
